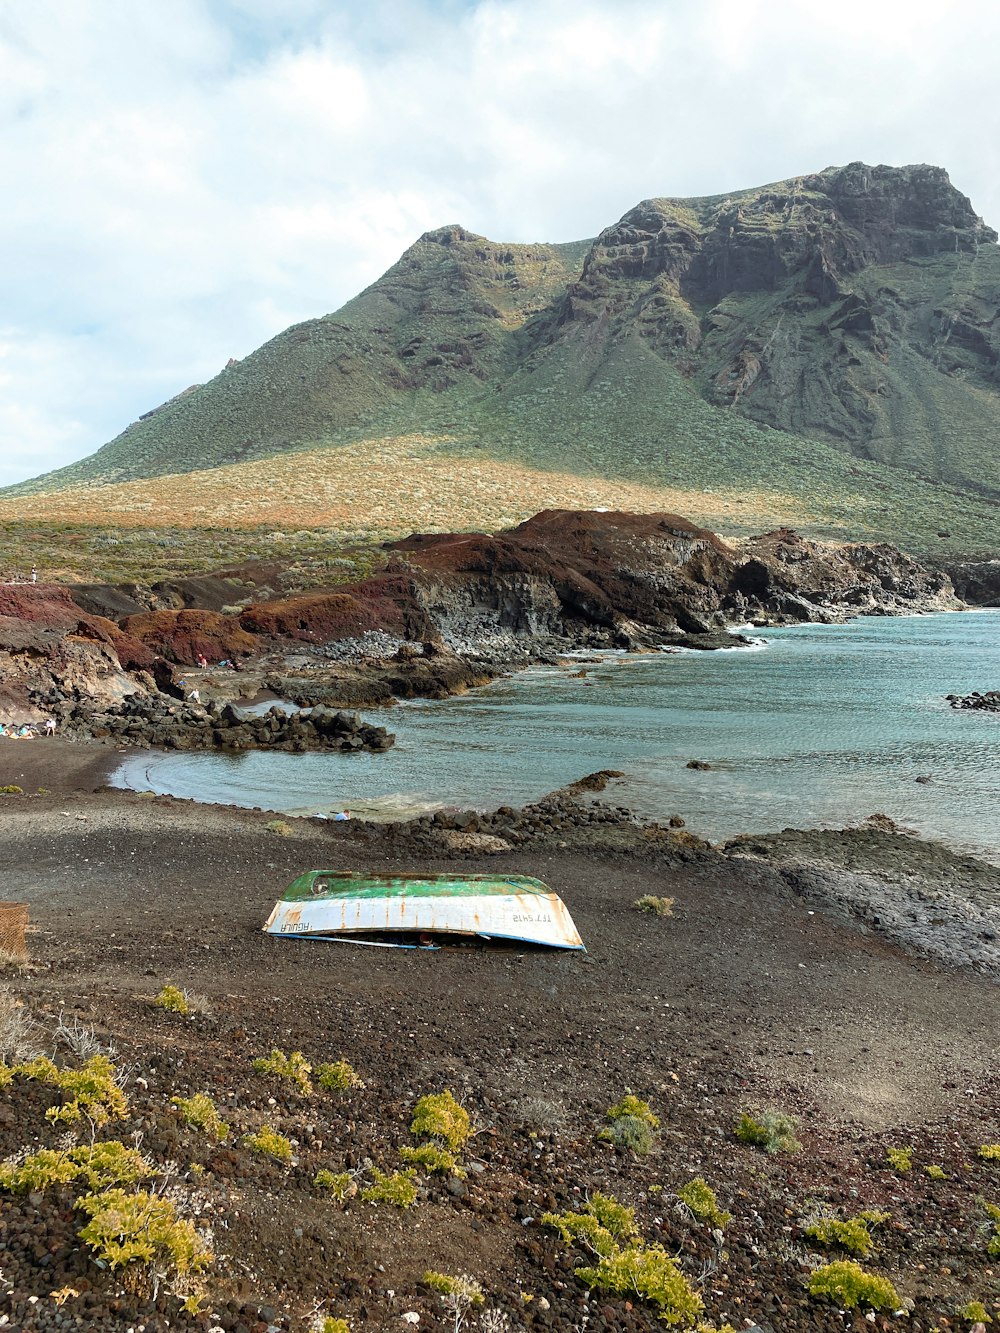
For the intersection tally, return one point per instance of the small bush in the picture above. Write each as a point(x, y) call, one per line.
point(655, 906)
point(774, 1132)
point(341, 1184)
point(280, 827)
point(975, 1312)
point(143, 1228)
point(632, 1126)
point(173, 999)
point(12, 789)
point(337, 1077)
point(295, 1068)
point(465, 1288)
point(936, 1172)
point(439, 1116)
point(325, 1323)
point(599, 1226)
point(993, 1244)
point(853, 1234)
point(267, 1142)
point(399, 1188)
point(92, 1090)
point(900, 1159)
point(99, 1165)
point(431, 1157)
point(990, 1152)
point(849, 1285)
point(200, 1112)
point(699, 1196)
point(646, 1271)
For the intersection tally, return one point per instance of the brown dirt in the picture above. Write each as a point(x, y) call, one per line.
point(742, 998)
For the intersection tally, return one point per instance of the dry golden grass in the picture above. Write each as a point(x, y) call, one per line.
point(388, 486)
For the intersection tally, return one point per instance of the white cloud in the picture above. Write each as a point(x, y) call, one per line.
point(184, 180)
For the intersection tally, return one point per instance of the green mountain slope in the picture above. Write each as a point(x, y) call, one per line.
point(742, 341)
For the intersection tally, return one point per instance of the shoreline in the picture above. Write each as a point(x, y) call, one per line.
point(765, 986)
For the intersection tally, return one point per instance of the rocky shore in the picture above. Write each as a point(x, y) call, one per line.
point(987, 703)
point(443, 613)
point(787, 974)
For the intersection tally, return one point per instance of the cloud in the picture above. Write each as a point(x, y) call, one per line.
point(185, 180)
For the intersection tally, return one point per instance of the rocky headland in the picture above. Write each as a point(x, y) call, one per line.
point(444, 613)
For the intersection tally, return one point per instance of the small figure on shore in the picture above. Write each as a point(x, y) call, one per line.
point(24, 732)
point(202, 661)
point(195, 696)
point(342, 814)
point(34, 574)
point(50, 726)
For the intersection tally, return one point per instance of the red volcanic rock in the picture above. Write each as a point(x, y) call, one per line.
point(180, 636)
point(657, 569)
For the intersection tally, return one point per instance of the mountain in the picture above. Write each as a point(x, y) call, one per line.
point(824, 339)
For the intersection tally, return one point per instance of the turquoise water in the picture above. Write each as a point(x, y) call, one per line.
point(823, 725)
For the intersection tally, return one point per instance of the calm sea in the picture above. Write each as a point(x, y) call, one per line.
point(819, 726)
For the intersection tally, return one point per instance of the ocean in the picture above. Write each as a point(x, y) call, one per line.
point(816, 726)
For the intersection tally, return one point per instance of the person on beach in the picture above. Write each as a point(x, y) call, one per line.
point(342, 814)
point(202, 661)
point(195, 696)
point(50, 726)
point(34, 574)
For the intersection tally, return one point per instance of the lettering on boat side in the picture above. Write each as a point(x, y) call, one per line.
point(523, 919)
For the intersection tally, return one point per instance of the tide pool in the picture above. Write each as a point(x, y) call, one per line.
point(822, 727)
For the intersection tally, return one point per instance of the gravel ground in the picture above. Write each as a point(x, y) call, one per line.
point(761, 989)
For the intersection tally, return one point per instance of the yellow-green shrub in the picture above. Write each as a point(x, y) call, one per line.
point(267, 1142)
point(200, 1112)
point(774, 1131)
point(853, 1234)
point(849, 1285)
point(398, 1188)
point(900, 1159)
point(295, 1068)
point(431, 1157)
point(337, 1077)
point(700, 1198)
point(173, 999)
point(144, 1228)
point(439, 1116)
point(647, 1271)
point(464, 1287)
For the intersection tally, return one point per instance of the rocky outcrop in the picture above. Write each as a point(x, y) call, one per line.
point(47, 643)
point(986, 703)
point(157, 721)
point(976, 582)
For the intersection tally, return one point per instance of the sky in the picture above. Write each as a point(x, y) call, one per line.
point(183, 180)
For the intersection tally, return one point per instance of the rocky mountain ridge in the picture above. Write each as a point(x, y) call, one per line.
point(856, 307)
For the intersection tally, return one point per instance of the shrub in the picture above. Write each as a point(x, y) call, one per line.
point(99, 1165)
point(280, 827)
point(853, 1234)
point(993, 1244)
point(200, 1112)
point(649, 1272)
point(699, 1196)
point(325, 1323)
point(341, 1184)
point(464, 1287)
point(655, 906)
point(107, 1165)
point(849, 1285)
point(439, 1116)
point(295, 1068)
point(601, 1224)
point(935, 1172)
point(142, 1227)
point(173, 999)
point(92, 1090)
point(431, 1157)
point(12, 789)
point(900, 1159)
point(990, 1152)
point(337, 1077)
point(774, 1132)
point(632, 1125)
point(267, 1142)
point(399, 1188)
point(975, 1312)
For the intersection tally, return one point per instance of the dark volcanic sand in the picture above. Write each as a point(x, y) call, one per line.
point(748, 995)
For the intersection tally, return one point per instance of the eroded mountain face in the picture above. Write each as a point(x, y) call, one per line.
point(857, 307)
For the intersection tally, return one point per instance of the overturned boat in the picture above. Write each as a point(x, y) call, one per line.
point(422, 911)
